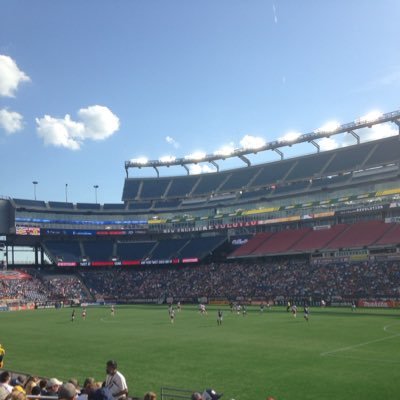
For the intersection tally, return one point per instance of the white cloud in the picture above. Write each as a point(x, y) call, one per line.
point(196, 169)
point(172, 141)
point(96, 123)
point(11, 121)
point(197, 155)
point(252, 142)
point(10, 76)
point(379, 131)
point(225, 150)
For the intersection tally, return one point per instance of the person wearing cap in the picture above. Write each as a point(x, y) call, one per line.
point(211, 394)
point(115, 381)
point(67, 391)
point(53, 385)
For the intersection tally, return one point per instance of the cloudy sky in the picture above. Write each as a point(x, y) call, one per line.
point(88, 85)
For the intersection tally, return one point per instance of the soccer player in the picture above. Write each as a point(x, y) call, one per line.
point(220, 317)
point(73, 315)
point(84, 313)
point(262, 306)
point(178, 306)
point(288, 306)
point(353, 306)
point(306, 313)
point(244, 311)
point(294, 310)
point(2, 354)
point(172, 315)
point(112, 311)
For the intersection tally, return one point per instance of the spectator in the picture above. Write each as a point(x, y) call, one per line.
point(150, 396)
point(53, 385)
point(67, 391)
point(115, 381)
point(5, 387)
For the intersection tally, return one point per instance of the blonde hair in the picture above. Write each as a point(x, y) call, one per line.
point(150, 396)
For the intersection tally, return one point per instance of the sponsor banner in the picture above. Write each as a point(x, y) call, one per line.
point(11, 275)
point(279, 220)
point(66, 264)
point(102, 263)
point(190, 260)
point(377, 207)
point(91, 304)
point(91, 232)
point(144, 301)
point(131, 262)
point(321, 227)
point(27, 231)
point(392, 205)
point(378, 303)
point(160, 262)
point(219, 302)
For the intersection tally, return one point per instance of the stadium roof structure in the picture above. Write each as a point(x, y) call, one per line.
point(364, 122)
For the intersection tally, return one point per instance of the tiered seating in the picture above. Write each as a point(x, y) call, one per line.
point(359, 235)
point(251, 245)
point(255, 194)
point(391, 236)
point(88, 206)
point(326, 182)
point(154, 188)
point(294, 187)
point(61, 205)
point(200, 247)
point(272, 173)
point(349, 158)
point(135, 250)
point(99, 250)
point(280, 242)
point(239, 179)
point(174, 203)
point(209, 183)
point(67, 251)
point(181, 187)
point(117, 206)
point(139, 205)
point(29, 203)
point(131, 189)
point(387, 151)
point(307, 167)
point(318, 239)
point(167, 249)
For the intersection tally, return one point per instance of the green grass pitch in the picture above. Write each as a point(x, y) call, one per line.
point(337, 355)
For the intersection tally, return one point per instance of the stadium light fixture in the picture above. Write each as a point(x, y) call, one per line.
point(140, 160)
point(329, 127)
point(196, 156)
point(34, 188)
point(225, 151)
point(167, 159)
point(66, 192)
point(95, 192)
point(370, 117)
point(290, 137)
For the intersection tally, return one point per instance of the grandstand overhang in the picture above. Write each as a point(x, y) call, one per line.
point(241, 153)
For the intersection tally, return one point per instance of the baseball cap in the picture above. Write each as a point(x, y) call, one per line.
point(67, 391)
point(211, 394)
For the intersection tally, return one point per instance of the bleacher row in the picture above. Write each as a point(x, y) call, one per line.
point(105, 250)
point(308, 240)
point(288, 175)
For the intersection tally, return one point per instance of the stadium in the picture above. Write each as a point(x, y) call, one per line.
point(312, 230)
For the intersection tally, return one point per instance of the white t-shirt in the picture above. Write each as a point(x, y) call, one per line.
point(116, 383)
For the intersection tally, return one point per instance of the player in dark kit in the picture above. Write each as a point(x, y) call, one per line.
point(73, 316)
point(306, 313)
point(220, 317)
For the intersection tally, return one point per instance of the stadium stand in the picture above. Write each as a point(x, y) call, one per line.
point(118, 206)
point(61, 205)
point(62, 250)
point(87, 206)
point(98, 250)
point(134, 250)
point(29, 203)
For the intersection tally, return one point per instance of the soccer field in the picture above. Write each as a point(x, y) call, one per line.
point(337, 355)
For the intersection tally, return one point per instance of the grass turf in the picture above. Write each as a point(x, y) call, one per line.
point(338, 354)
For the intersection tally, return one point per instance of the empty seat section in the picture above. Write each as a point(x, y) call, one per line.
point(209, 183)
point(255, 194)
point(294, 187)
point(131, 188)
point(29, 203)
point(359, 235)
point(280, 242)
point(349, 158)
point(67, 251)
point(251, 245)
point(98, 251)
point(239, 178)
point(325, 182)
point(174, 203)
point(87, 206)
point(272, 173)
point(309, 166)
point(386, 152)
point(110, 206)
point(182, 186)
point(318, 239)
point(200, 247)
point(154, 188)
point(139, 205)
point(134, 251)
point(167, 249)
point(391, 236)
point(61, 204)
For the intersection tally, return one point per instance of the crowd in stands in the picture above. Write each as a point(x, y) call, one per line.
point(268, 281)
point(256, 280)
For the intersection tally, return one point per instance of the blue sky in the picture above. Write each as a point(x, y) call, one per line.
point(87, 85)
